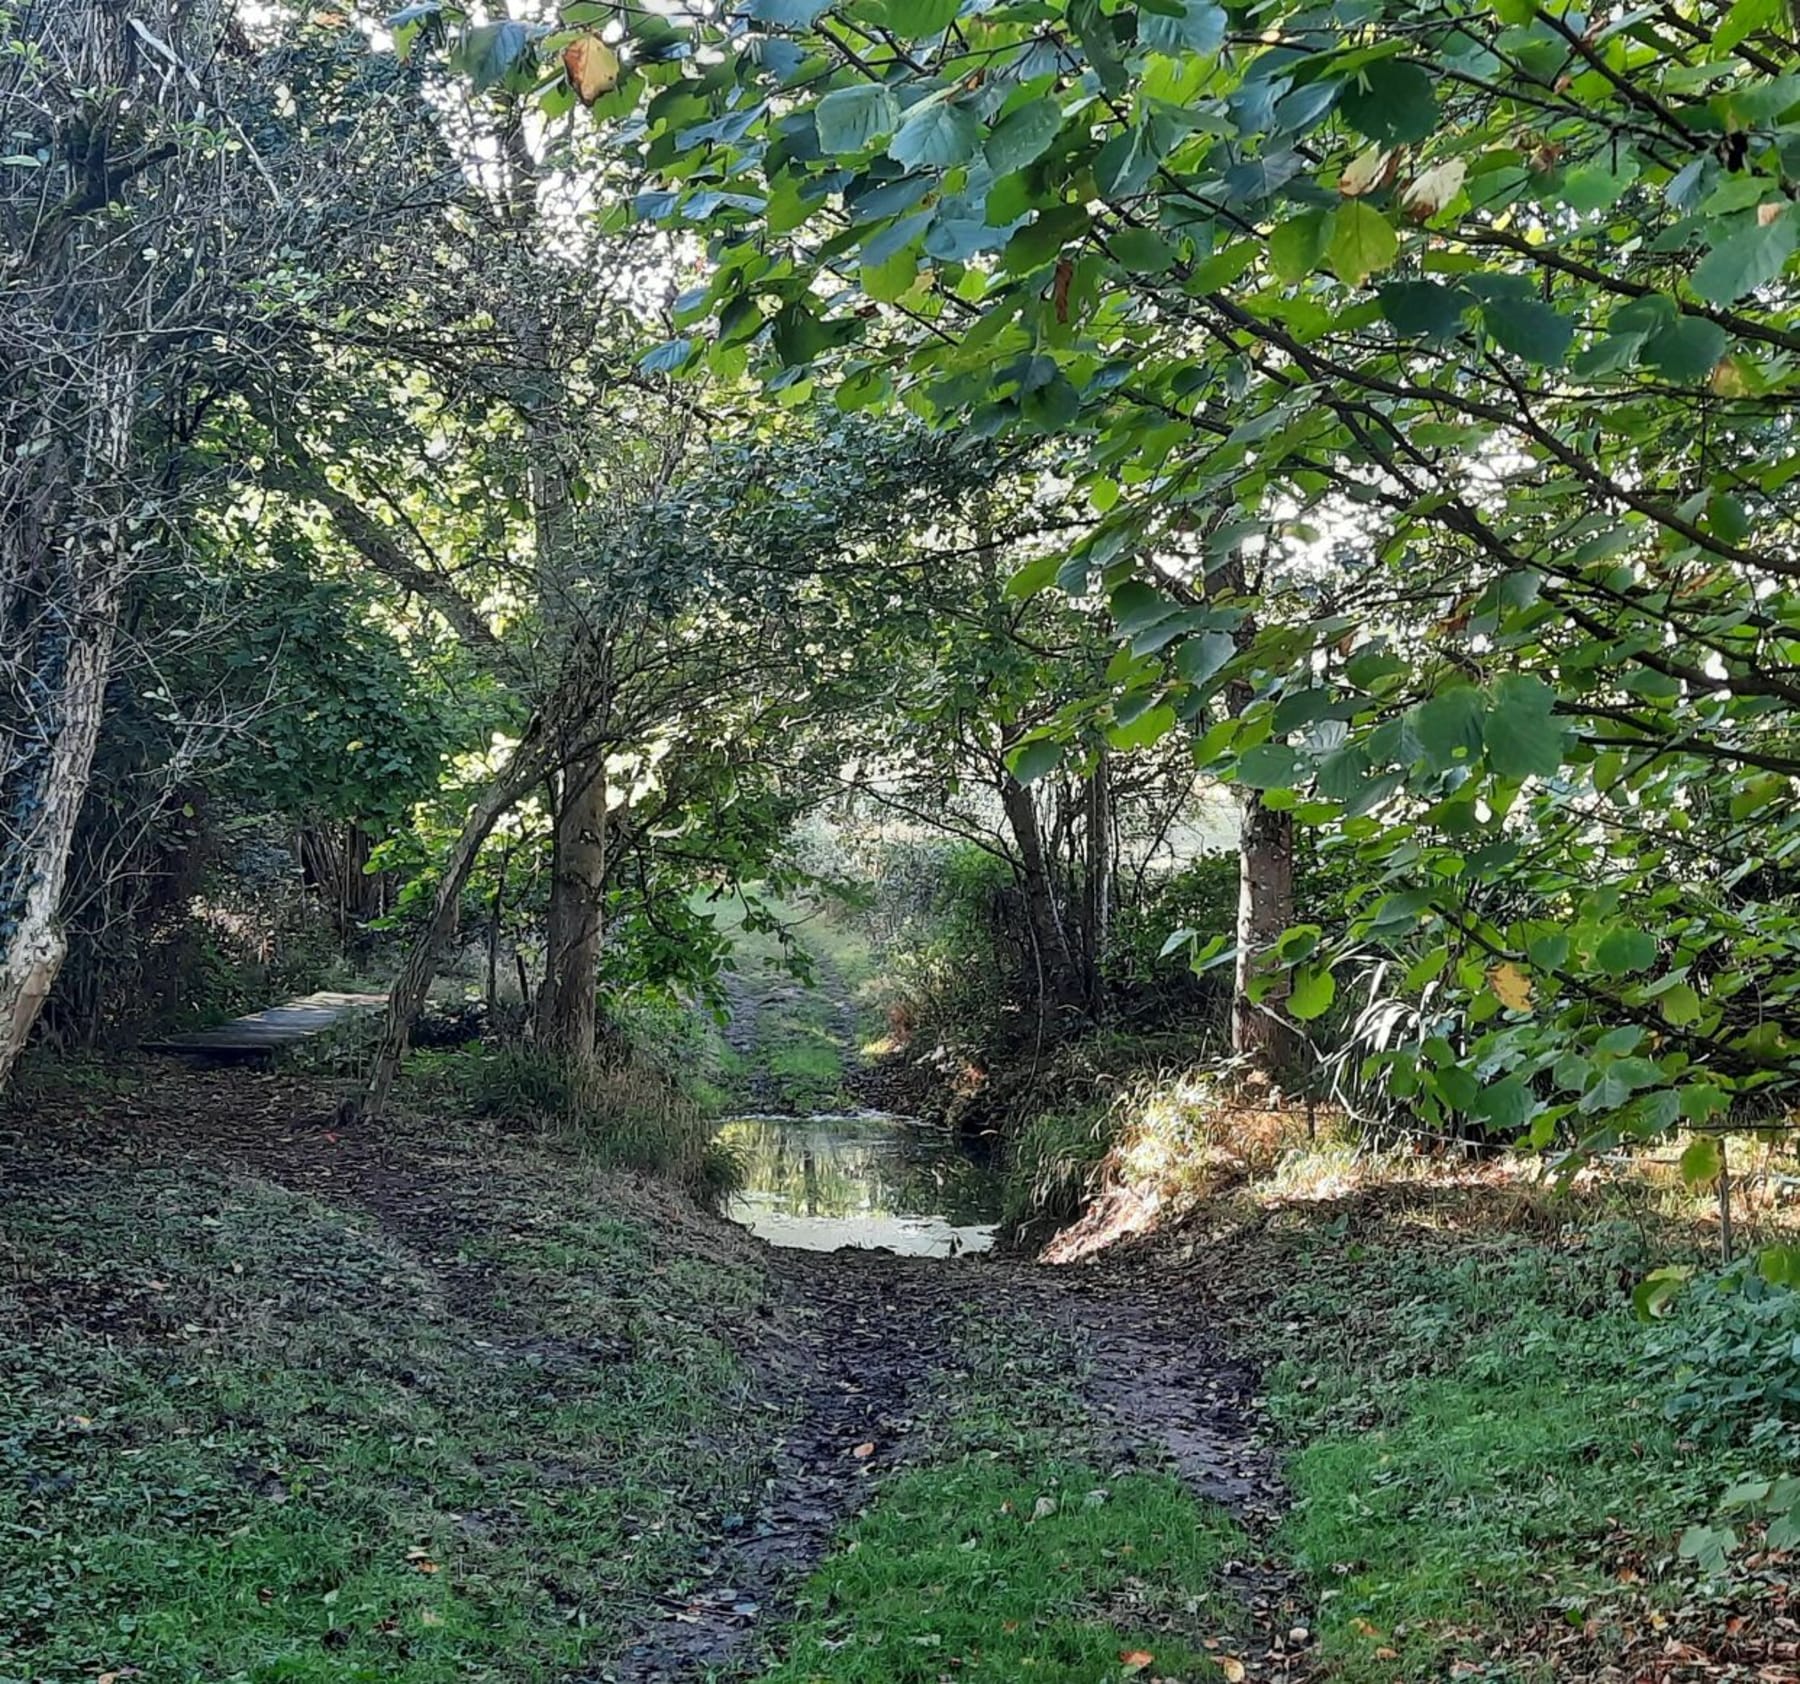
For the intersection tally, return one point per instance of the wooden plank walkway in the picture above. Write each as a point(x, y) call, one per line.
point(265, 1033)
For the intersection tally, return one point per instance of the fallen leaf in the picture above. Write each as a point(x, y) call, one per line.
point(864, 1451)
point(1043, 1508)
point(593, 67)
point(1136, 1659)
point(1233, 1668)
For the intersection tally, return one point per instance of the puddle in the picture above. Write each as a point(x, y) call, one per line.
point(863, 1179)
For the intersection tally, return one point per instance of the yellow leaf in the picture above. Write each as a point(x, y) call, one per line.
point(1511, 986)
point(1136, 1659)
point(1729, 380)
point(1233, 1669)
point(593, 67)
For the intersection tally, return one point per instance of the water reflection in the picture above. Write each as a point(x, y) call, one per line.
point(864, 1180)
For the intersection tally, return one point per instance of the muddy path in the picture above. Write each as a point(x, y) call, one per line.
point(852, 1351)
point(868, 1341)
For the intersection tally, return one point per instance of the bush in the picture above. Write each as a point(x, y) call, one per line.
point(626, 1115)
point(1728, 1361)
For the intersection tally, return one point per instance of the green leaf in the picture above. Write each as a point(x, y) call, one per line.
point(1687, 350)
point(1529, 329)
point(1142, 251)
point(1523, 738)
point(1448, 726)
point(1391, 102)
point(1297, 246)
point(1703, 1161)
point(787, 14)
point(1708, 1547)
point(935, 134)
point(486, 53)
point(1033, 760)
point(853, 119)
point(1679, 1005)
point(914, 20)
point(1200, 657)
point(1624, 949)
point(1268, 766)
point(666, 358)
point(1023, 136)
point(1747, 18)
point(1361, 244)
point(1150, 726)
point(1195, 26)
point(1507, 1104)
point(1747, 260)
point(1311, 992)
point(1423, 309)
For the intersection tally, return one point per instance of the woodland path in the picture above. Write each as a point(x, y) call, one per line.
point(869, 1342)
point(849, 1349)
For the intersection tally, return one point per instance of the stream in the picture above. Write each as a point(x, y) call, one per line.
point(863, 1179)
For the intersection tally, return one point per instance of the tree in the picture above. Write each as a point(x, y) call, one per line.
point(162, 206)
point(1504, 290)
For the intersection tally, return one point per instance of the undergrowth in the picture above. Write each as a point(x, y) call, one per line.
point(624, 1114)
point(1487, 1441)
point(248, 1434)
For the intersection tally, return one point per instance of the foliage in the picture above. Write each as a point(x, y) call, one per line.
point(1423, 374)
point(1053, 1168)
point(1727, 1360)
point(624, 1113)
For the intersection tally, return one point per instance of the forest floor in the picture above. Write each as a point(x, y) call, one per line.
point(431, 1401)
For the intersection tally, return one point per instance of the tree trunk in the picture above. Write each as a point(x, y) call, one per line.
point(1098, 883)
point(32, 945)
point(1261, 1033)
point(407, 995)
point(567, 1005)
point(1061, 980)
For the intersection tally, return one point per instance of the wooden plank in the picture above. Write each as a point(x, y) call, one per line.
point(270, 1030)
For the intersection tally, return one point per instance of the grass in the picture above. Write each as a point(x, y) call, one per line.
point(804, 1031)
point(1011, 1555)
point(1481, 1445)
point(250, 1434)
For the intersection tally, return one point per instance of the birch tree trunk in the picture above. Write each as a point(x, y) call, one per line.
point(32, 945)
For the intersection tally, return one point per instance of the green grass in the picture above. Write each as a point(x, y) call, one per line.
point(1011, 1555)
point(808, 1030)
point(1481, 1452)
point(247, 1435)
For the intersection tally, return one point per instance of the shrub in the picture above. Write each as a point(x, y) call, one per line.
point(626, 1115)
point(1728, 1361)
